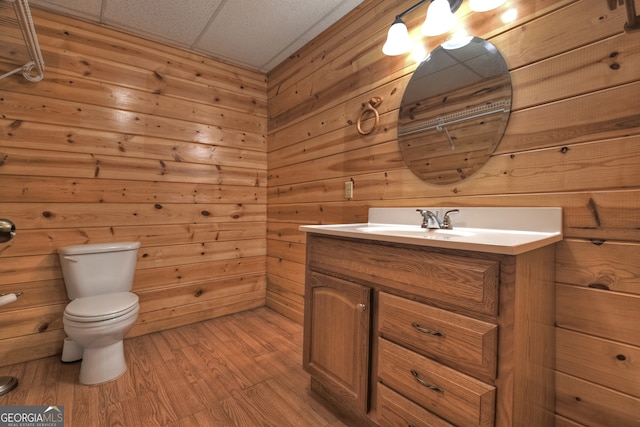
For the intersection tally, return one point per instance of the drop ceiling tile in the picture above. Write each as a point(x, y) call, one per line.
point(255, 31)
point(343, 8)
point(178, 21)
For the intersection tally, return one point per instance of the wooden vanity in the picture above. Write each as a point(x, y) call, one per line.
point(398, 334)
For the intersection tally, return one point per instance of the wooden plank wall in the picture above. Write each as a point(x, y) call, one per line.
point(573, 141)
point(127, 139)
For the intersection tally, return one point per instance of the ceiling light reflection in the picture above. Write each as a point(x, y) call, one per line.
point(509, 16)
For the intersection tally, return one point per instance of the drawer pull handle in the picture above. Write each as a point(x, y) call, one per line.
point(428, 331)
point(424, 383)
point(361, 307)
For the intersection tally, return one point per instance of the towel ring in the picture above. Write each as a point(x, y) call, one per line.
point(371, 105)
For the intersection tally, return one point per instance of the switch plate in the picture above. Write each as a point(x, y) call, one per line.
point(348, 190)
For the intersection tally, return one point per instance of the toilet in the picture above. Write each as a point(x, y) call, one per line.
point(98, 278)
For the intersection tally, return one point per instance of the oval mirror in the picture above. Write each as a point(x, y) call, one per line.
point(454, 111)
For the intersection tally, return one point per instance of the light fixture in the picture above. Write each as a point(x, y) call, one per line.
point(439, 20)
point(398, 40)
point(485, 5)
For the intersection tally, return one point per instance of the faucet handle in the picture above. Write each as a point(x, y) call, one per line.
point(424, 212)
point(429, 219)
point(425, 217)
point(446, 221)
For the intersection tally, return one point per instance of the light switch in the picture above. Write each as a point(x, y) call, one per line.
point(348, 190)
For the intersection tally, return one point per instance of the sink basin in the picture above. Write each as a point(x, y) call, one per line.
point(495, 230)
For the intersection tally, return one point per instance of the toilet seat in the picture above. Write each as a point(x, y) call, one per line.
point(101, 307)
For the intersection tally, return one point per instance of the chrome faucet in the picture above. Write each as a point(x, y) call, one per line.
point(430, 220)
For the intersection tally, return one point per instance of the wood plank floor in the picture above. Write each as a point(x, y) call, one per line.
point(243, 369)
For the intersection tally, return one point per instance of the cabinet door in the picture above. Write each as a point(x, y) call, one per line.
point(336, 341)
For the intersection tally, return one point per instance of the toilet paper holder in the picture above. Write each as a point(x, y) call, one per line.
point(9, 298)
point(7, 230)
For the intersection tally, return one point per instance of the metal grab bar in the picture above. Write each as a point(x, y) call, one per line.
point(24, 21)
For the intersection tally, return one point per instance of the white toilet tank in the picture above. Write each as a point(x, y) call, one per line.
point(99, 268)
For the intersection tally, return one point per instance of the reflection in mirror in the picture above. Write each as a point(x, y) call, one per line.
point(454, 111)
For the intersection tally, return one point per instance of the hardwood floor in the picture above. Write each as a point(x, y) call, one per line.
point(243, 369)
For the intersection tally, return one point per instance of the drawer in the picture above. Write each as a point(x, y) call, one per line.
point(454, 396)
point(395, 410)
point(446, 279)
point(467, 344)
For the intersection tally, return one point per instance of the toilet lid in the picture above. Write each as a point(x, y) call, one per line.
point(101, 307)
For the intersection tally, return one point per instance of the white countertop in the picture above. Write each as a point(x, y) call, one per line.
point(508, 231)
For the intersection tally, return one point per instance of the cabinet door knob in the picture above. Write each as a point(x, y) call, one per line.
point(361, 307)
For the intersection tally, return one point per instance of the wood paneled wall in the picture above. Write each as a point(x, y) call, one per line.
point(573, 141)
point(131, 140)
point(127, 139)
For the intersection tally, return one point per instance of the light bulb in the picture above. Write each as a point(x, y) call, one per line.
point(398, 40)
point(439, 19)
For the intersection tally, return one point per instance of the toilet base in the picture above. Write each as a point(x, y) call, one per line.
point(102, 364)
point(7, 384)
point(71, 351)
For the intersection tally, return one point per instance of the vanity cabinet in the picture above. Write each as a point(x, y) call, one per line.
point(413, 335)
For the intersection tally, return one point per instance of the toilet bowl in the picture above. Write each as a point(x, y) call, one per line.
point(100, 335)
point(98, 279)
